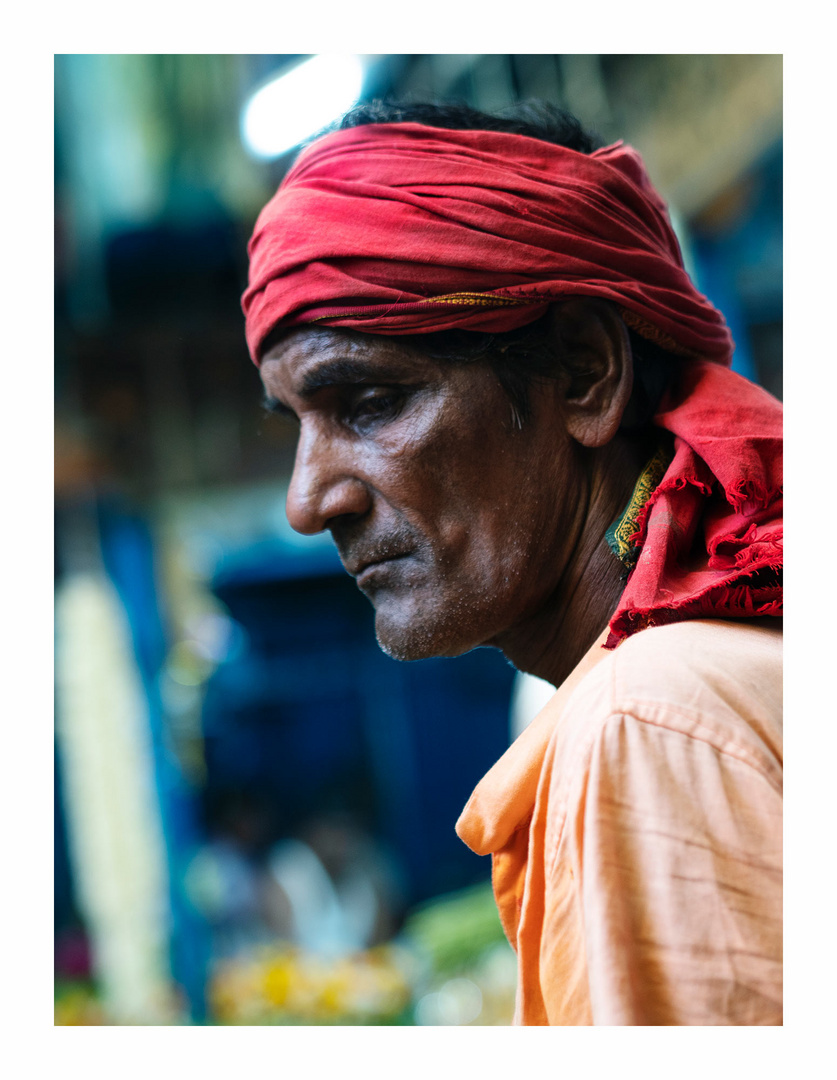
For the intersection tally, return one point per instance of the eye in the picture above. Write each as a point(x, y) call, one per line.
point(373, 405)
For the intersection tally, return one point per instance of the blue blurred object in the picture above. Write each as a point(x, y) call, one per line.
point(313, 713)
point(128, 555)
point(738, 263)
point(274, 559)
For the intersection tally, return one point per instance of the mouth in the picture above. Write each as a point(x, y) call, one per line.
point(364, 570)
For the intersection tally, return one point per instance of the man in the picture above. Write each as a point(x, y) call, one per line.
point(516, 419)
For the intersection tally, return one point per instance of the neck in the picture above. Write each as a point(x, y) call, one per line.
point(551, 643)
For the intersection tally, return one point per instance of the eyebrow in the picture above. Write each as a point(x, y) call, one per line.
point(338, 372)
point(345, 371)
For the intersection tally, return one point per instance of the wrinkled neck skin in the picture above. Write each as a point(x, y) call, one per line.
point(551, 642)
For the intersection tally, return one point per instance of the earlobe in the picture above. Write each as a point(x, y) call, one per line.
point(595, 352)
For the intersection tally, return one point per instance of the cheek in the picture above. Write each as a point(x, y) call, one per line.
point(430, 470)
point(470, 485)
point(518, 520)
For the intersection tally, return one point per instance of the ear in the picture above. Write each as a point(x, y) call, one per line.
point(594, 351)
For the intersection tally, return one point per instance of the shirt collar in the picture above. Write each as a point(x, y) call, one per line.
point(504, 799)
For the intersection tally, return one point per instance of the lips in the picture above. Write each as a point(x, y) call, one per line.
point(360, 549)
point(358, 567)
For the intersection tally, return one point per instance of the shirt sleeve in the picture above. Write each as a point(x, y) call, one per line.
point(678, 851)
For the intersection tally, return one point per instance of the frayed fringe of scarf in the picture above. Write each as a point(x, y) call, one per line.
point(746, 497)
point(724, 600)
point(674, 483)
point(753, 551)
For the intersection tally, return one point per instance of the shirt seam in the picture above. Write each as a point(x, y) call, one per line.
point(705, 734)
point(625, 713)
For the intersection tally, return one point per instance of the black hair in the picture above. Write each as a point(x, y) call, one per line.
point(537, 119)
point(527, 355)
point(522, 356)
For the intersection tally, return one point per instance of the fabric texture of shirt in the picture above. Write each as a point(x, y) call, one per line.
point(636, 833)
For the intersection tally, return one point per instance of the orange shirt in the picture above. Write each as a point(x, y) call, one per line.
point(636, 830)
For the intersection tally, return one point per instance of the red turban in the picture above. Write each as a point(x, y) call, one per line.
point(404, 229)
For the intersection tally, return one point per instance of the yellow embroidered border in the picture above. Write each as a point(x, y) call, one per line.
point(463, 299)
point(481, 298)
point(618, 536)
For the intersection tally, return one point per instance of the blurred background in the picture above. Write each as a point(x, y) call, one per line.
point(254, 807)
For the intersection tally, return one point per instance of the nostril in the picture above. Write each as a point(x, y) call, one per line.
point(313, 507)
point(342, 520)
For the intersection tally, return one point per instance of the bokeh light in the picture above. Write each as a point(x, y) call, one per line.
point(296, 105)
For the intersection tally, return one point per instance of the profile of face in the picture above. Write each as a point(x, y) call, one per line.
point(456, 522)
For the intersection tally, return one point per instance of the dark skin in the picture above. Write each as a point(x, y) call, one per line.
point(462, 528)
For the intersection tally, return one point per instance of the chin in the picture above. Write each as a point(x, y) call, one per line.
point(422, 639)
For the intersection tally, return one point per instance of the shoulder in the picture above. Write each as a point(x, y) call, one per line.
point(714, 682)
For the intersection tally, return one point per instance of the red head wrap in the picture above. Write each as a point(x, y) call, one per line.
point(404, 229)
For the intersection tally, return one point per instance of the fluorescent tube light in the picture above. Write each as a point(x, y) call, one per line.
point(289, 109)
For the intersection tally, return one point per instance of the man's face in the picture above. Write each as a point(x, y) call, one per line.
point(456, 524)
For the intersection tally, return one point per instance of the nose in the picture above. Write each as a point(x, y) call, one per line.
point(324, 484)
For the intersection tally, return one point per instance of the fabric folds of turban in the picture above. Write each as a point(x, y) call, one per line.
point(405, 229)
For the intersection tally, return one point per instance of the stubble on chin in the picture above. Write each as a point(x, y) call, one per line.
point(446, 627)
point(412, 643)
